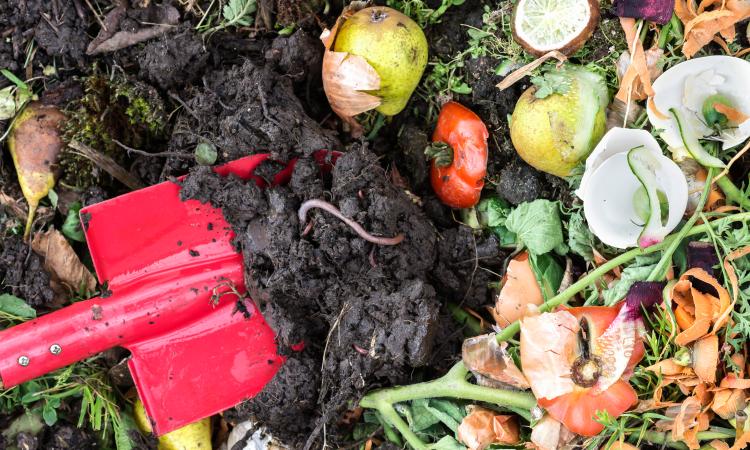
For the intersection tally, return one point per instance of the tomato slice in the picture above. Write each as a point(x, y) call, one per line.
point(577, 410)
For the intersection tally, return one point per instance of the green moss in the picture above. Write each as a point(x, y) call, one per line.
point(110, 109)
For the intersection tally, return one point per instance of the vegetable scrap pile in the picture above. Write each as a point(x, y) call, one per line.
point(506, 224)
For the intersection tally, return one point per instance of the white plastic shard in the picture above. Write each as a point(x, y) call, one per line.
point(686, 86)
point(609, 188)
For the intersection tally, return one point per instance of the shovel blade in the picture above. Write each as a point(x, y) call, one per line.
point(205, 367)
point(133, 235)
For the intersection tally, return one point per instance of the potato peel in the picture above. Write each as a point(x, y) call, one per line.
point(346, 77)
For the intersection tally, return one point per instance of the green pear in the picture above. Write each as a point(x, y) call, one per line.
point(393, 45)
point(554, 132)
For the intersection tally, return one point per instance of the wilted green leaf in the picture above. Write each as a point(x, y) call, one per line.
point(237, 12)
point(537, 225)
point(7, 103)
point(462, 88)
point(551, 83)
point(580, 239)
point(10, 304)
point(638, 271)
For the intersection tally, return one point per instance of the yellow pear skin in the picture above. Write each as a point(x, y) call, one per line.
point(393, 45)
point(35, 145)
point(196, 436)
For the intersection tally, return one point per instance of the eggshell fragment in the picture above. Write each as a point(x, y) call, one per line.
point(687, 85)
point(608, 187)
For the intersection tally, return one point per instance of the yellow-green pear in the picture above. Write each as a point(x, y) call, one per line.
point(557, 123)
point(394, 45)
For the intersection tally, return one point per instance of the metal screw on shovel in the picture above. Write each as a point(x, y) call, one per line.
point(55, 349)
point(23, 361)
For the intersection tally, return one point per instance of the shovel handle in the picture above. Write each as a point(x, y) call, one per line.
point(131, 314)
point(53, 341)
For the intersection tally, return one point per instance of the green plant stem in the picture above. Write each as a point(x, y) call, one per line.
point(656, 437)
point(511, 330)
point(472, 324)
point(733, 193)
point(665, 34)
point(660, 271)
point(676, 27)
point(454, 385)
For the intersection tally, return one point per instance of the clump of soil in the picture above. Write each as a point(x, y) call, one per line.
point(173, 59)
point(246, 109)
point(365, 313)
point(22, 272)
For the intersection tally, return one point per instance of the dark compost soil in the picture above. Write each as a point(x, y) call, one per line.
point(368, 315)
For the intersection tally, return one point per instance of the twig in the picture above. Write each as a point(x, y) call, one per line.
point(108, 165)
point(177, 98)
point(732, 161)
point(96, 15)
point(344, 309)
point(155, 155)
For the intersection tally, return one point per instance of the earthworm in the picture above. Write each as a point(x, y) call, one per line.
point(324, 205)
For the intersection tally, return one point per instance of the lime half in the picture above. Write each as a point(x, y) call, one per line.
point(541, 26)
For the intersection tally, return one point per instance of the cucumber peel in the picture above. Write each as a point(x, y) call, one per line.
point(643, 163)
point(693, 145)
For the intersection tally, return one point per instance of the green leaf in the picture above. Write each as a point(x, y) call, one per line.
point(446, 443)
point(14, 79)
point(492, 213)
point(53, 198)
point(549, 273)
point(448, 407)
point(72, 226)
point(237, 12)
point(638, 271)
point(124, 429)
point(580, 239)
point(7, 103)
point(462, 88)
point(205, 154)
point(445, 417)
point(15, 306)
point(551, 83)
point(49, 414)
point(537, 225)
point(421, 417)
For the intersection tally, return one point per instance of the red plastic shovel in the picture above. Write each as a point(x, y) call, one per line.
point(172, 277)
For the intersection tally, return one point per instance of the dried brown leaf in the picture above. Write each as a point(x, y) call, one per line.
point(62, 262)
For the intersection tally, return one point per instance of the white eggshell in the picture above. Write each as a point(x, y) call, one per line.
point(617, 140)
point(685, 87)
point(608, 199)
